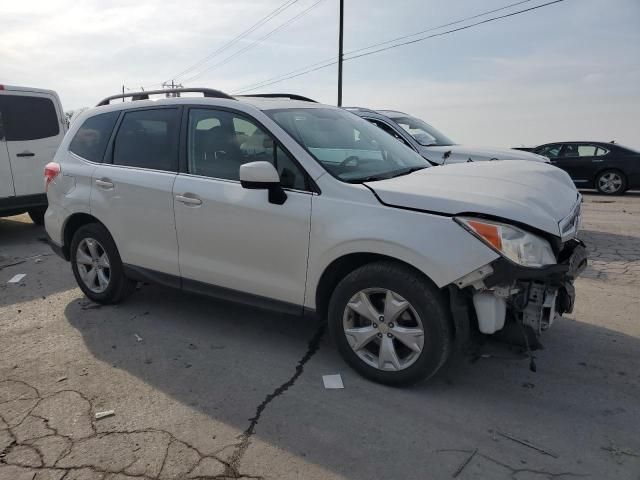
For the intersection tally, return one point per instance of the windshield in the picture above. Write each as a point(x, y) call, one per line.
point(346, 145)
point(423, 133)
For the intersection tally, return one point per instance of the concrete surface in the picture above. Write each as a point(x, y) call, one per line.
point(216, 390)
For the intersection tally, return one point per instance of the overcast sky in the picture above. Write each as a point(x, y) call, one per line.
point(564, 72)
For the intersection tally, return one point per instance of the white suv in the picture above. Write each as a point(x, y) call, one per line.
point(291, 205)
point(32, 125)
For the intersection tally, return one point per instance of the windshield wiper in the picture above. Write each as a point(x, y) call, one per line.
point(373, 178)
point(407, 171)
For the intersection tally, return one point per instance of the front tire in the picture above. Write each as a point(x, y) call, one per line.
point(611, 182)
point(97, 266)
point(390, 324)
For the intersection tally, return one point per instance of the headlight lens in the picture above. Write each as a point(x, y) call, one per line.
point(517, 245)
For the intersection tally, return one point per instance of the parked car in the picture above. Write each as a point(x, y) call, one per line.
point(610, 168)
point(301, 207)
point(31, 128)
point(434, 145)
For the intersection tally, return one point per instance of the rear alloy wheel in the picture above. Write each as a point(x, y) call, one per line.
point(390, 323)
point(97, 266)
point(611, 182)
point(93, 265)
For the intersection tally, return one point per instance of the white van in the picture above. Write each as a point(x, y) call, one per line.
point(32, 126)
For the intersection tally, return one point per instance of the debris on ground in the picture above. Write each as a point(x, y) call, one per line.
point(17, 278)
point(465, 463)
point(138, 337)
point(61, 379)
point(332, 381)
point(527, 444)
point(106, 413)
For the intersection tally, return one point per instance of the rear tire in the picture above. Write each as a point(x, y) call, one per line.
point(37, 215)
point(97, 266)
point(390, 350)
point(611, 182)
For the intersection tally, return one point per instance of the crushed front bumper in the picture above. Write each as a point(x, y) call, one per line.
point(534, 296)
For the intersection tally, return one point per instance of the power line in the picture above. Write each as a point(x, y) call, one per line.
point(234, 40)
point(334, 62)
point(255, 42)
point(310, 68)
point(454, 30)
point(441, 26)
point(260, 83)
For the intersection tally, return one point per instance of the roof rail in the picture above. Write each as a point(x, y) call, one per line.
point(360, 109)
point(290, 96)
point(207, 92)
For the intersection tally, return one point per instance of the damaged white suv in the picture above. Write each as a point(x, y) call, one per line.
point(287, 204)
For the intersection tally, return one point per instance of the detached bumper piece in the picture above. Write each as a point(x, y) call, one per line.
point(542, 293)
point(504, 290)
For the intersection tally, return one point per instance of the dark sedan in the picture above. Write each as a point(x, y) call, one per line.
point(608, 167)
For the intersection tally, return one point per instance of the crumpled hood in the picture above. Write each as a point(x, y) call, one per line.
point(462, 153)
point(531, 193)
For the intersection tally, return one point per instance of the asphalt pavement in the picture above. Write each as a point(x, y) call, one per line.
point(200, 388)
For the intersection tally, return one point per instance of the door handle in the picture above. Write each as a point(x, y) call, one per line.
point(597, 161)
point(188, 200)
point(104, 184)
point(25, 154)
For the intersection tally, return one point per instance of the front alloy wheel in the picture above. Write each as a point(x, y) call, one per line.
point(93, 265)
point(383, 329)
point(390, 323)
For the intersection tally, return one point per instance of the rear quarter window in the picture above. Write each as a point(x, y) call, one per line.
point(28, 118)
point(90, 141)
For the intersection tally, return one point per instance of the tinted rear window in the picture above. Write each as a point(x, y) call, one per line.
point(28, 118)
point(148, 139)
point(90, 141)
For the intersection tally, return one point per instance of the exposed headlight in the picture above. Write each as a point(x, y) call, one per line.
point(517, 245)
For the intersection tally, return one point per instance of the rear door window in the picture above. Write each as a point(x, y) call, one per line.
point(28, 117)
point(587, 150)
point(148, 139)
point(90, 141)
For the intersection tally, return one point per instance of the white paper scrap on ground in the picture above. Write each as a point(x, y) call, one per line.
point(332, 381)
point(138, 337)
point(17, 278)
point(106, 413)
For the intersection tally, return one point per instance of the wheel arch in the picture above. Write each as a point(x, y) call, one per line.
point(343, 266)
point(71, 226)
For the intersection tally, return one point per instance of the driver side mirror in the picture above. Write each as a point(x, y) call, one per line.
point(263, 176)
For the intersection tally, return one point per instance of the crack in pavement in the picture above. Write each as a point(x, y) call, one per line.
point(57, 434)
point(514, 471)
point(245, 437)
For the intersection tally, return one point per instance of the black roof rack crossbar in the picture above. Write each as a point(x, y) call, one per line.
point(290, 96)
point(207, 92)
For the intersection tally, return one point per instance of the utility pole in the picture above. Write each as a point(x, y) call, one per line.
point(123, 92)
point(172, 85)
point(340, 38)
